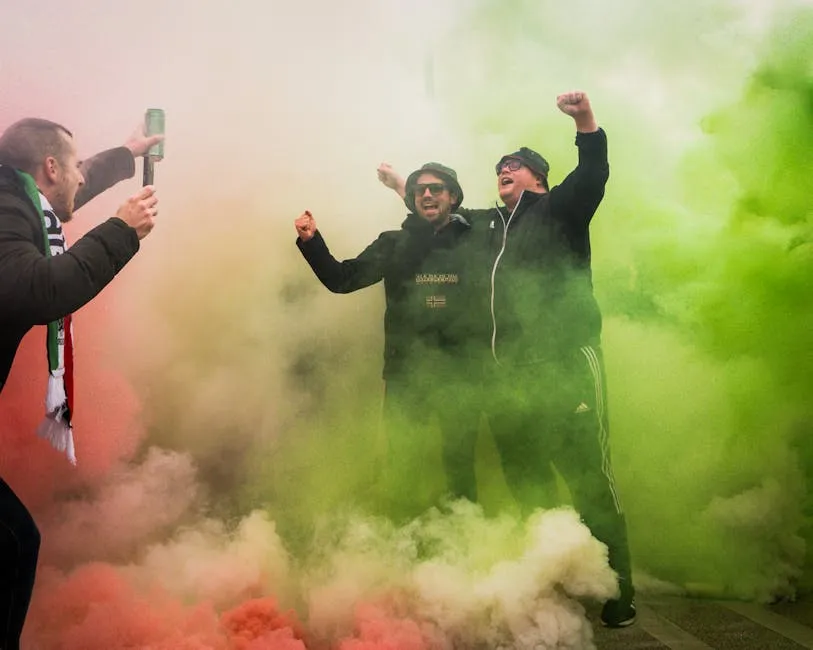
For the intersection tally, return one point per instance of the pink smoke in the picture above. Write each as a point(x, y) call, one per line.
point(96, 608)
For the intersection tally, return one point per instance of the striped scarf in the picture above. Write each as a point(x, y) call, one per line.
point(56, 427)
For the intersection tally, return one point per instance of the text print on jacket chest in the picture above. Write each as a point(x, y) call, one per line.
point(434, 282)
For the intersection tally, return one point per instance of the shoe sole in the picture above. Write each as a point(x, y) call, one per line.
point(627, 623)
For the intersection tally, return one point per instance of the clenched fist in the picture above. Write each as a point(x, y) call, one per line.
point(140, 210)
point(305, 226)
point(577, 105)
point(573, 103)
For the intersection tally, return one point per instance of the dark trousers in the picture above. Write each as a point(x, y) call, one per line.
point(555, 415)
point(19, 548)
point(409, 407)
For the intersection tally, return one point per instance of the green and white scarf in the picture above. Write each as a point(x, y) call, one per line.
point(56, 427)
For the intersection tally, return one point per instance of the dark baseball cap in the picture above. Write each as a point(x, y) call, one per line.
point(448, 174)
point(528, 157)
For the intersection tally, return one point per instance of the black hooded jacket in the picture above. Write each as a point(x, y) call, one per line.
point(431, 315)
point(540, 285)
point(35, 289)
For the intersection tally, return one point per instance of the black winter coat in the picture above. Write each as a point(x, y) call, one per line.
point(35, 289)
point(433, 319)
point(540, 280)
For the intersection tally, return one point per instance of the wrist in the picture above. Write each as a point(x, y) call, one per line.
point(586, 123)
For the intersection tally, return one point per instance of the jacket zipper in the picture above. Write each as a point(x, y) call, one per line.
point(505, 225)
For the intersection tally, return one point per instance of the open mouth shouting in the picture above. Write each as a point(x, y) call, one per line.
point(429, 206)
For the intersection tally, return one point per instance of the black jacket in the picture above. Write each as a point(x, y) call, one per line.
point(430, 315)
point(540, 285)
point(35, 289)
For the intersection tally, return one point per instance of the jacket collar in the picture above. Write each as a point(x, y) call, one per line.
point(415, 223)
point(528, 197)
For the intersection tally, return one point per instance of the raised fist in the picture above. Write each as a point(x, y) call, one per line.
point(573, 103)
point(305, 226)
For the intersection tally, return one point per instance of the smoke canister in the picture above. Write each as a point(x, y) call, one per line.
point(154, 125)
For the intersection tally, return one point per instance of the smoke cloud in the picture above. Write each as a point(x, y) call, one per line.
point(228, 406)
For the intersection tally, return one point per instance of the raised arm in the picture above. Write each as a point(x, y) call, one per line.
point(392, 179)
point(578, 196)
point(348, 275)
point(103, 171)
point(107, 168)
point(577, 105)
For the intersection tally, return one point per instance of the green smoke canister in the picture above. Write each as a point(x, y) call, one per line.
point(154, 124)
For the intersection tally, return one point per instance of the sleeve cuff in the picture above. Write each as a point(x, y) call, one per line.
point(311, 244)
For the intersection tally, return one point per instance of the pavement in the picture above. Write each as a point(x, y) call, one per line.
point(676, 623)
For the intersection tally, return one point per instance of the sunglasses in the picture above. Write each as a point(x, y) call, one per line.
point(513, 164)
point(435, 189)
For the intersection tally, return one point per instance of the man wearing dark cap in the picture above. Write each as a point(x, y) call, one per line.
point(427, 326)
point(547, 393)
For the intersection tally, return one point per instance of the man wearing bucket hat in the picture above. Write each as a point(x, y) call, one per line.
point(547, 391)
point(427, 326)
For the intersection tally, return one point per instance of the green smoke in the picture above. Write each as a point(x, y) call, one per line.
point(702, 257)
point(750, 307)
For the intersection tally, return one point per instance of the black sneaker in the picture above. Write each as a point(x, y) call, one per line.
point(618, 613)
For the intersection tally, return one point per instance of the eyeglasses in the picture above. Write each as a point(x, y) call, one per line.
point(435, 189)
point(513, 164)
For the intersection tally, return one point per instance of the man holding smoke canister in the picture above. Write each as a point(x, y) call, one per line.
point(42, 282)
point(546, 388)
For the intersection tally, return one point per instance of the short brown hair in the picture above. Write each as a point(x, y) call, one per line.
point(27, 142)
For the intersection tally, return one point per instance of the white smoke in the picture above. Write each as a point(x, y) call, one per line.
point(466, 579)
